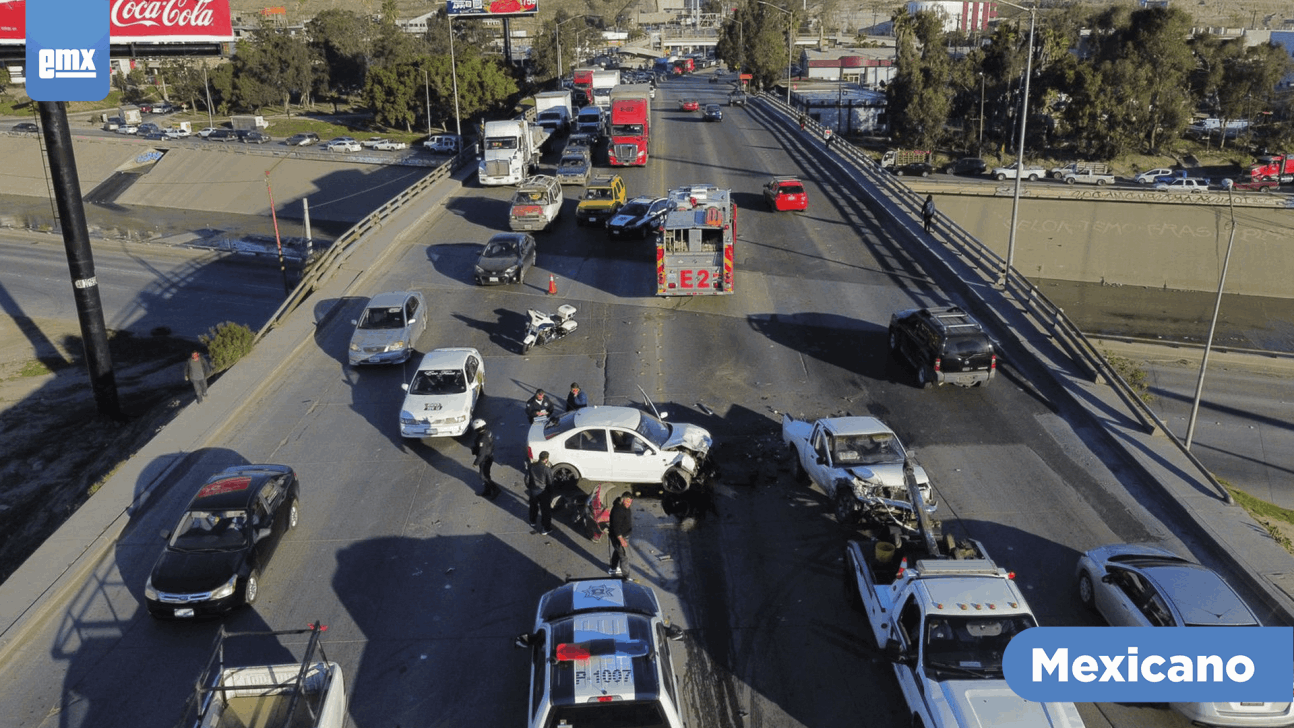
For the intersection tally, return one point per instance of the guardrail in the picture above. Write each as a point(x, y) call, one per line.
point(1049, 317)
point(332, 258)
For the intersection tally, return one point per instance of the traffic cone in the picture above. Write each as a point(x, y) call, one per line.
point(552, 285)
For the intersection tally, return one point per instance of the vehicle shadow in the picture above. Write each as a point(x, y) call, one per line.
point(340, 311)
point(480, 210)
point(456, 260)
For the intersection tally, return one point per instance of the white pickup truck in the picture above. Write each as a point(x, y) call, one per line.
point(1087, 176)
point(306, 694)
point(858, 462)
point(1032, 172)
point(946, 656)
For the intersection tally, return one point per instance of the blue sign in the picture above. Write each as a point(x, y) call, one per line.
point(67, 50)
point(1152, 664)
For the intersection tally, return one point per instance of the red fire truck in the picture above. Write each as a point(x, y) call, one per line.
point(695, 247)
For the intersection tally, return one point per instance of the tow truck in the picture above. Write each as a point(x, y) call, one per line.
point(695, 247)
point(943, 612)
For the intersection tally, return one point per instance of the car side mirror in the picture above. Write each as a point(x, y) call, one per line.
point(405, 387)
point(1107, 579)
point(263, 533)
point(166, 534)
point(353, 322)
point(894, 652)
point(822, 459)
point(412, 321)
point(674, 632)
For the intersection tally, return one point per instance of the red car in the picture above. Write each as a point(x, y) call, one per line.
point(689, 105)
point(786, 193)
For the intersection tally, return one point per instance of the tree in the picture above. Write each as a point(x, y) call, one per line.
point(391, 92)
point(341, 38)
point(221, 81)
point(918, 97)
point(271, 67)
point(544, 52)
point(391, 45)
point(184, 83)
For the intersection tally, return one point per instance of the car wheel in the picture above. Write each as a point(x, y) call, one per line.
point(252, 588)
point(1033, 178)
point(923, 379)
point(521, 275)
point(925, 173)
point(797, 469)
point(565, 475)
point(1102, 182)
point(846, 506)
point(294, 513)
point(898, 172)
point(1001, 177)
point(675, 481)
point(1070, 181)
point(1086, 592)
point(1264, 190)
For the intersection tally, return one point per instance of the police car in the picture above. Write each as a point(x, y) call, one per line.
point(600, 656)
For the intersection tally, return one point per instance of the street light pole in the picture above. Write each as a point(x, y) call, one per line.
point(790, 22)
point(453, 72)
point(1213, 324)
point(1019, 167)
point(426, 86)
point(980, 148)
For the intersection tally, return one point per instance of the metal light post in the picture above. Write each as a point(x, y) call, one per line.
point(426, 86)
point(1019, 168)
point(453, 72)
point(980, 149)
point(790, 22)
point(1213, 324)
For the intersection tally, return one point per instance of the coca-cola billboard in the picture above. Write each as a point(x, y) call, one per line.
point(139, 21)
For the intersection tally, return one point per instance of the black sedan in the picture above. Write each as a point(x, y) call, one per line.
point(967, 165)
point(713, 112)
point(505, 259)
point(638, 217)
point(914, 169)
point(25, 127)
point(214, 559)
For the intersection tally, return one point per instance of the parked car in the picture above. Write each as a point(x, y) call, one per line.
point(222, 135)
point(388, 330)
point(620, 445)
point(1187, 185)
point(1152, 176)
point(304, 139)
point(253, 137)
point(1032, 172)
point(1137, 585)
point(505, 258)
point(216, 555)
point(147, 128)
point(967, 165)
point(343, 144)
point(127, 129)
point(945, 345)
point(205, 133)
point(599, 655)
point(176, 132)
point(443, 394)
point(689, 104)
point(25, 127)
point(443, 144)
point(390, 145)
point(786, 193)
point(913, 169)
point(713, 112)
point(372, 142)
point(639, 217)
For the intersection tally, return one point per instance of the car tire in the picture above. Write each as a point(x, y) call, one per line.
point(565, 475)
point(1001, 177)
point(923, 379)
point(252, 588)
point(1102, 182)
point(925, 173)
point(294, 513)
point(845, 506)
point(521, 275)
point(1086, 590)
point(674, 481)
point(1071, 181)
point(898, 173)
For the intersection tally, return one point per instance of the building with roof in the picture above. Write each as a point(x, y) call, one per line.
point(843, 107)
point(965, 16)
point(868, 67)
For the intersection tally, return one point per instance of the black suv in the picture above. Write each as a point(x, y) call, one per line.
point(945, 345)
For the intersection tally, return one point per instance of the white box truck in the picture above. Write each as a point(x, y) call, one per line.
point(553, 111)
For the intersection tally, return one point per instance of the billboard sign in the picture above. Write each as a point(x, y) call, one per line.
point(136, 21)
point(68, 48)
point(491, 8)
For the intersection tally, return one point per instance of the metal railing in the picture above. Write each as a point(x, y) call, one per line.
point(1049, 317)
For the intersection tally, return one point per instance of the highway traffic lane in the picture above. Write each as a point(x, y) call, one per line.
point(141, 287)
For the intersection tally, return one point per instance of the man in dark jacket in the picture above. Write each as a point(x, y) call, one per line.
point(622, 524)
point(483, 449)
point(196, 370)
point(928, 211)
point(576, 399)
point(540, 405)
point(539, 483)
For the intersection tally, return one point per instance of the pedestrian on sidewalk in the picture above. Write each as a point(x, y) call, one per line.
point(803, 120)
point(826, 137)
point(483, 449)
point(928, 211)
point(196, 370)
point(576, 399)
point(622, 524)
point(539, 483)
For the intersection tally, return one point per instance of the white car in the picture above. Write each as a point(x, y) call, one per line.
point(175, 132)
point(204, 133)
point(387, 145)
point(388, 329)
point(1151, 176)
point(442, 396)
point(1139, 585)
point(1031, 173)
point(372, 142)
point(127, 129)
point(1188, 185)
point(343, 144)
point(620, 445)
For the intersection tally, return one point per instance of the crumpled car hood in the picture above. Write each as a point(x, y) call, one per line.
point(890, 474)
point(696, 439)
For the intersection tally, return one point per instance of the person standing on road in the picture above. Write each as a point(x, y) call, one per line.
point(576, 399)
point(622, 524)
point(928, 211)
point(196, 370)
point(483, 449)
point(540, 406)
point(539, 483)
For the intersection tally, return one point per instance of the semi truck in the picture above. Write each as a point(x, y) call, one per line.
point(582, 80)
point(510, 152)
point(553, 111)
point(695, 249)
point(943, 613)
point(306, 694)
point(1279, 168)
point(603, 82)
point(630, 125)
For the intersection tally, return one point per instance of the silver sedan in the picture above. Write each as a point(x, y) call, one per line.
point(389, 328)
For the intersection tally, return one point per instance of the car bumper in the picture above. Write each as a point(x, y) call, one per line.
point(527, 225)
point(194, 610)
point(965, 379)
point(785, 207)
point(620, 232)
point(593, 218)
point(420, 431)
point(1222, 714)
point(494, 279)
point(386, 357)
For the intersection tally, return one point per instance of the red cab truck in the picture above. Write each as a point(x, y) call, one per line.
point(630, 125)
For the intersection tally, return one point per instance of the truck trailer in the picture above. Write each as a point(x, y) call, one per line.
point(630, 125)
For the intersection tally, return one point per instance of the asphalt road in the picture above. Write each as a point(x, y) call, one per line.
point(141, 287)
point(423, 583)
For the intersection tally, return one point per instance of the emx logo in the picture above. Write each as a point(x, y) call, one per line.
point(67, 63)
point(67, 44)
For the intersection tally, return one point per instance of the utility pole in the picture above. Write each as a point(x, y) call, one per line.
point(80, 259)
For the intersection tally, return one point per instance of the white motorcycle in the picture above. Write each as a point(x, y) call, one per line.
point(544, 327)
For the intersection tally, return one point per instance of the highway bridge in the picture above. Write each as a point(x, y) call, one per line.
point(423, 583)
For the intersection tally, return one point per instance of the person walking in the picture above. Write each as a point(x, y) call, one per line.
point(622, 524)
point(196, 370)
point(539, 483)
point(483, 449)
point(928, 211)
point(826, 137)
point(540, 405)
point(576, 399)
point(803, 120)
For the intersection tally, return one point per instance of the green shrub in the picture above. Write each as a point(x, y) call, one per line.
point(227, 342)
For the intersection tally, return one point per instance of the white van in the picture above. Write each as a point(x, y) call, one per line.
point(444, 144)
